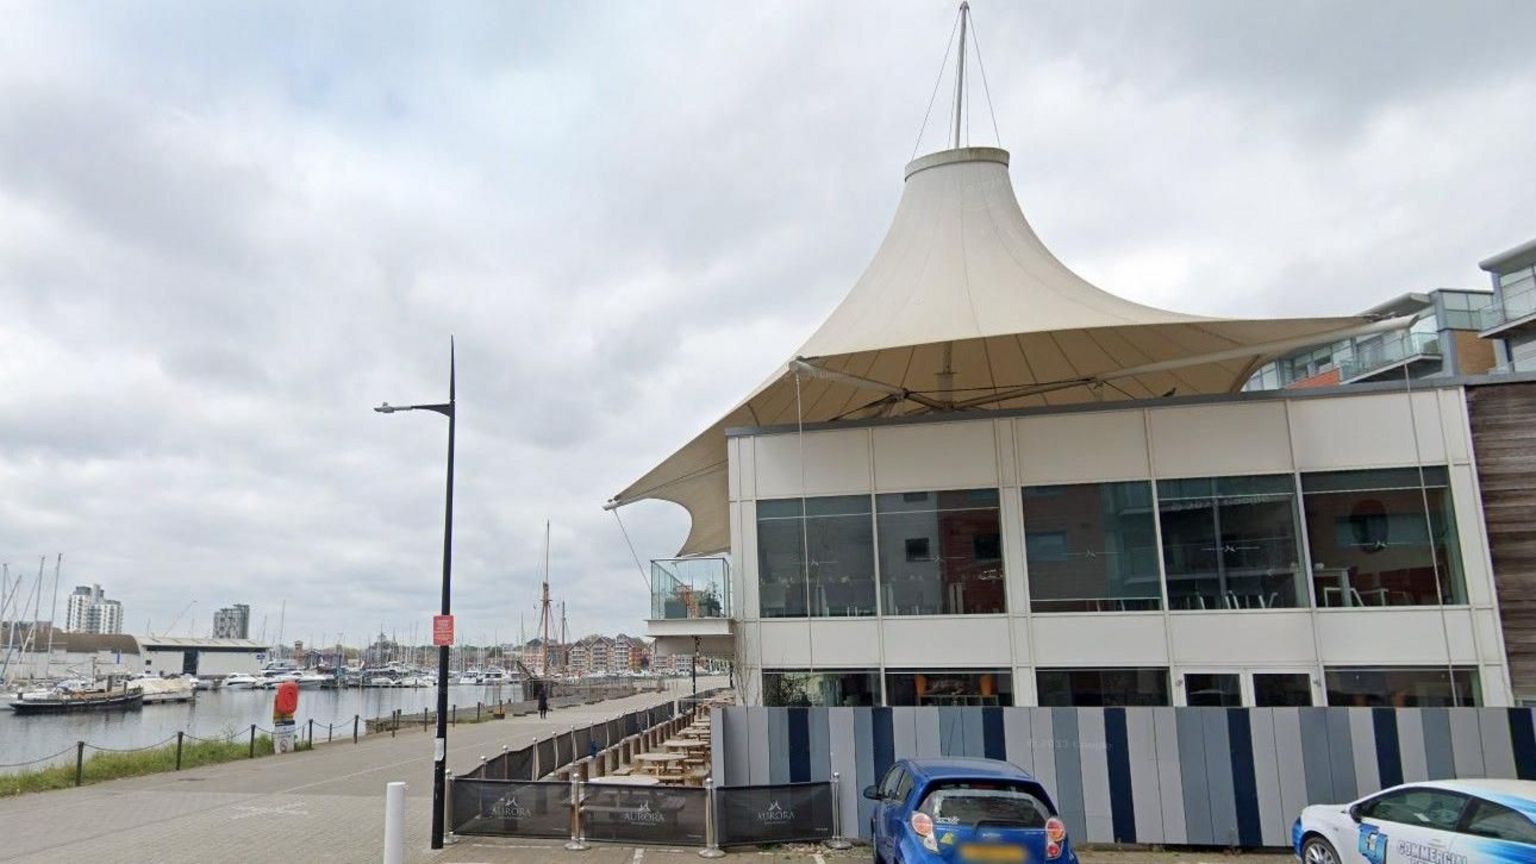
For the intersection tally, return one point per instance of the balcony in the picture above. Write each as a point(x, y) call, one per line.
point(691, 599)
point(1515, 310)
point(1391, 355)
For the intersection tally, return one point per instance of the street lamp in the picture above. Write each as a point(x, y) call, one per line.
point(440, 749)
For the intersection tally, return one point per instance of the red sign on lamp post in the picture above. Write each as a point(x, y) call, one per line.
point(442, 630)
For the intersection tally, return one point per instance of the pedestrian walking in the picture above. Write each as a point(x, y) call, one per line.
point(543, 703)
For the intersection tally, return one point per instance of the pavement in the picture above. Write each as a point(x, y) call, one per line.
point(321, 806)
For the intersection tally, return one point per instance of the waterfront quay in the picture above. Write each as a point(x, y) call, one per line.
point(320, 806)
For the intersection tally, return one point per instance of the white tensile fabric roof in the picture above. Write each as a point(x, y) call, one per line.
point(963, 309)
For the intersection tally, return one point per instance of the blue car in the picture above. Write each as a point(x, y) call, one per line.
point(965, 811)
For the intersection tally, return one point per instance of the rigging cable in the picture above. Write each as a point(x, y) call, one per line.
point(1429, 534)
point(936, 82)
point(984, 88)
point(633, 554)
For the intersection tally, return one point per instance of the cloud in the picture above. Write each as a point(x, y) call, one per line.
point(225, 235)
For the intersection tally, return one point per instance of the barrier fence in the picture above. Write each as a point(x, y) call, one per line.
point(1232, 777)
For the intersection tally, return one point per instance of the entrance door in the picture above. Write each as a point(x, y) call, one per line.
point(189, 663)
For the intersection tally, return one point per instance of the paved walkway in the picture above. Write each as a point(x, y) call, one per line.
point(324, 806)
point(480, 850)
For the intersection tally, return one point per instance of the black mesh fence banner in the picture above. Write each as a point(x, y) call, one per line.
point(515, 765)
point(644, 814)
point(562, 750)
point(631, 724)
point(547, 761)
point(774, 814)
point(583, 743)
point(511, 808)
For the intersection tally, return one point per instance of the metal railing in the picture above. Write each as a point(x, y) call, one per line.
point(684, 588)
point(1393, 349)
point(1511, 305)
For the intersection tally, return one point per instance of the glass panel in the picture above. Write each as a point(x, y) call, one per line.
point(1371, 543)
point(1422, 808)
point(1403, 687)
point(941, 553)
point(1282, 689)
point(1093, 688)
point(1488, 819)
point(1091, 547)
point(841, 568)
point(1004, 804)
point(1231, 543)
point(690, 588)
point(1212, 690)
point(949, 687)
point(857, 687)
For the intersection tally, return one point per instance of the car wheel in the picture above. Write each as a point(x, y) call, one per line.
point(1316, 850)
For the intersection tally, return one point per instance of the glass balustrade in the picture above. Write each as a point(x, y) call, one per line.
point(690, 588)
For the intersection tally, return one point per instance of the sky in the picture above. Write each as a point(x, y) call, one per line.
point(227, 231)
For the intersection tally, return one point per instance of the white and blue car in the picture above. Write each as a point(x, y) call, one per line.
point(1434, 822)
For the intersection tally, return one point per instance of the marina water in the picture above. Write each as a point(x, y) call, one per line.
point(221, 714)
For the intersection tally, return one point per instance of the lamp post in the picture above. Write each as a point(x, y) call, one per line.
point(440, 748)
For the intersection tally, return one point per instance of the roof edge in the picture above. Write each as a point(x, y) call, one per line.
point(959, 154)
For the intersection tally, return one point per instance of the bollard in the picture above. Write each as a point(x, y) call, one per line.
point(79, 762)
point(505, 763)
point(577, 843)
point(453, 715)
point(838, 841)
point(355, 718)
point(311, 733)
point(179, 736)
point(477, 712)
point(534, 771)
point(424, 723)
point(711, 841)
point(394, 823)
point(253, 741)
point(330, 732)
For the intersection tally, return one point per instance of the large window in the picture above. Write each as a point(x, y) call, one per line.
point(1094, 688)
point(941, 553)
point(855, 687)
point(948, 687)
point(838, 576)
point(1403, 687)
point(1091, 547)
point(1282, 689)
point(1231, 543)
point(1213, 689)
point(1383, 538)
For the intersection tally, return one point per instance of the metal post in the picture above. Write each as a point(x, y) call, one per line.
point(330, 732)
point(253, 741)
point(455, 712)
point(505, 763)
point(394, 823)
point(79, 762)
point(448, 805)
point(534, 772)
point(311, 733)
point(711, 831)
point(179, 736)
point(577, 843)
point(838, 841)
point(355, 719)
point(424, 721)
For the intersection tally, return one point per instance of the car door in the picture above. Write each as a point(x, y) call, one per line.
point(1416, 822)
point(885, 840)
point(1491, 831)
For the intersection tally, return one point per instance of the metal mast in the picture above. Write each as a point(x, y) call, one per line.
point(965, 18)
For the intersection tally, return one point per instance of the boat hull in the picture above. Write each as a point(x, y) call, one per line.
point(130, 701)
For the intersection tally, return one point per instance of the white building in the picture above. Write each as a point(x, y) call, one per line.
point(984, 480)
point(87, 610)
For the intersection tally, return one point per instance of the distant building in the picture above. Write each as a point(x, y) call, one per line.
point(232, 622)
point(1510, 322)
point(89, 611)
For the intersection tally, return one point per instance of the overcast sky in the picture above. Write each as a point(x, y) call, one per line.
point(228, 230)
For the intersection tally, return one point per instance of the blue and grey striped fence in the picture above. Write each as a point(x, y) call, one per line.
point(1176, 776)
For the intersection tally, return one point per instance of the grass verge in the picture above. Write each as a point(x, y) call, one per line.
point(104, 765)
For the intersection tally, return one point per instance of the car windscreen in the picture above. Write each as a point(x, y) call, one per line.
point(973, 803)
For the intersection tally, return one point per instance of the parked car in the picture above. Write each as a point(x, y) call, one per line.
point(965, 811)
point(1435, 821)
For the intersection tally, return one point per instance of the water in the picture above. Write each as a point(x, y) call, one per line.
point(219, 714)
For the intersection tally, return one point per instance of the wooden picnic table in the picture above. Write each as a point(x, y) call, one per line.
point(626, 780)
point(684, 743)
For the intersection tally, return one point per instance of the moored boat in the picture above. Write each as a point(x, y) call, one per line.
point(62, 701)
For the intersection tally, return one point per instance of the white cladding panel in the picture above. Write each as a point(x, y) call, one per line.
point(935, 456)
point(785, 644)
point(960, 641)
point(835, 462)
point(845, 642)
point(1104, 639)
point(1403, 635)
point(1077, 448)
point(1248, 638)
point(227, 663)
point(1212, 440)
point(1366, 431)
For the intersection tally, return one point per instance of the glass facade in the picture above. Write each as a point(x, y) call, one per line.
point(837, 578)
point(1213, 689)
point(1282, 690)
point(1110, 688)
point(1403, 687)
point(829, 688)
point(1091, 547)
point(948, 687)
point(941, 553)
point(1383, 538)
point(1231, 543)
